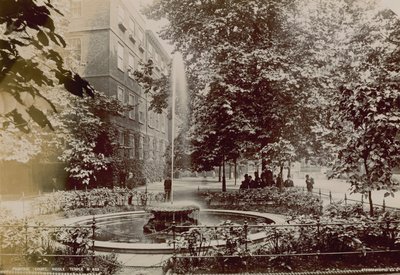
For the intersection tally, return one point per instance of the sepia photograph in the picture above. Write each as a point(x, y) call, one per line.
point(142, 137)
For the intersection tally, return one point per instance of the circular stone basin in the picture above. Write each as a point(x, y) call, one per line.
point(123, 232)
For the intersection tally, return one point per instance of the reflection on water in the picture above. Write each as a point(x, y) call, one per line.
point(129, 228)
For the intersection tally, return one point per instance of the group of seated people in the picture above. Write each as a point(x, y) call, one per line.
point(267, 179)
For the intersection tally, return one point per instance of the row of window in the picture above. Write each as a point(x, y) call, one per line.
point(120, 60)
point(154, 147)
point(130, 100)
point(135, 32)
point(131, 61)
point(157, 121)
point(155, 57)
point(76, 8)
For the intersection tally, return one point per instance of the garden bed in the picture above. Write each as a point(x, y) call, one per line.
point(341, 236)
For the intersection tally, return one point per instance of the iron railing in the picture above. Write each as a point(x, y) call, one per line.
point(390, 231)
point(24, 240)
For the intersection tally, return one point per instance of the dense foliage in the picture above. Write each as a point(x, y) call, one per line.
point(292, 200)
point(30, 61)
point(89, 201)
point(34, 244)
point(291, 80)
point(345, 233)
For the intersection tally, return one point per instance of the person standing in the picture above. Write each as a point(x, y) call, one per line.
point(257, 180)
point(167, 188)
point(309, 183)
point(245, 184)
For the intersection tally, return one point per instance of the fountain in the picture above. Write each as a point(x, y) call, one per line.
point(178, 87)
point(166, 214)
point(150, 231)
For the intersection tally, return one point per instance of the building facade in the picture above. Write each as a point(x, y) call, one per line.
point(109, 40)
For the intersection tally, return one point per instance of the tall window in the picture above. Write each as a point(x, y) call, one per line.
point(140, 35)
point(131, 146)
point(75, 48)
point(151, 149)
point(121, 14)
point(132, 105)
point(151, 50)
point(121, 95)
point(155, 148)
point(120, 52)
point(131, 64)
point(142, 112)
point(121, 138)
point(141, 147)
point(76, 8)
point(131, 26)
point(162, 148)
point(150, 118)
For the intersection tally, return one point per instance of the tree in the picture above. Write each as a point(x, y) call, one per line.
point(368, 108)
point(256, 61)
point(29, 61)
point(286, 67)
point(89, 148)
point(158, 88)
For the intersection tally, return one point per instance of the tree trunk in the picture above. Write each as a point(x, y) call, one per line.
point(280, 184)
point(371, 205)
point(235, 171)
point(230, 171)
point(219, 173)
point(289, 169)
point(263, 162)
point(223, 175)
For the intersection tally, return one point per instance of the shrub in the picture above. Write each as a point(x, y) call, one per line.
point(292, 200)
point(340, 228)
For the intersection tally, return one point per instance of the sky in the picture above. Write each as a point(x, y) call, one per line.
point(392, 4)
point(155, 26)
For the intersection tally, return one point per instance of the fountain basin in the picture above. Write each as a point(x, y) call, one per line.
point(160, 248)
point(183, 213)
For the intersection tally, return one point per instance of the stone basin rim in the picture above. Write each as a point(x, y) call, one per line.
point(160, 248)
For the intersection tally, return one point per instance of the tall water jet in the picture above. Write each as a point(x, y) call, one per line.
point(178, 91)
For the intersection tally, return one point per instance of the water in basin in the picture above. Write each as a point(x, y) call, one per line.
point(129, 228)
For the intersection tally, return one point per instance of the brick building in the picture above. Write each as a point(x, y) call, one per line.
point(110, 41)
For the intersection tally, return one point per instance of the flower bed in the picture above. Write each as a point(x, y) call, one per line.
point(291, 200)
point(96, 198)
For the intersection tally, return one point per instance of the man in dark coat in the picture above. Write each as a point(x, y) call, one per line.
point(167, 188)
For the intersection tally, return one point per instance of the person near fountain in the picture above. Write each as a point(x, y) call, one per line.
point(263, 182)
point(245, 184)
point(269, 178)
point(252, 183)
point(309, 183)
point(256, 183)
point(167, 188)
